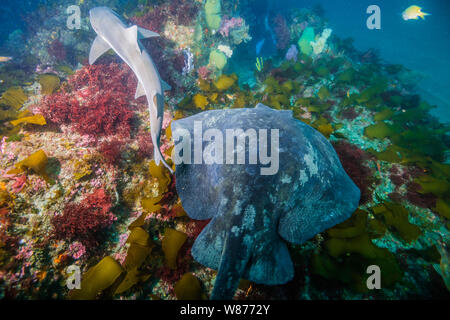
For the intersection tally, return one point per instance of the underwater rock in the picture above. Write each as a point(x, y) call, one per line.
point(253, 209)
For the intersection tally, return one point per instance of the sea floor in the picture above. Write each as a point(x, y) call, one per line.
point(79, 189)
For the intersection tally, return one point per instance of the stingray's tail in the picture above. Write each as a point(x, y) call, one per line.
point(159, 157)
point(235, 256)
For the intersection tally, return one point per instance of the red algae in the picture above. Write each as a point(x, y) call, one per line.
point(95, 101)
point(421, 200)
point(352, 159)
point(83, 221)
point(111, 151)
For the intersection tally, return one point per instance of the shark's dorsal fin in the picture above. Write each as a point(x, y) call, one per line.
point(132, 33)
point(99, 47)
point(165, 86)
point(144, 33)
point(140, 91)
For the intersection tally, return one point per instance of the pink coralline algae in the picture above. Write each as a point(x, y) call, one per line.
point(84, 221)
point(282, 32)
point(145, 145)
point(19, 183)
point(228, 24)
point(77, 250)
point(3, 145)
point(95, 101)
point(203, 72)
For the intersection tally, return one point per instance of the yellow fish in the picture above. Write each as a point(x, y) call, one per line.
point(413, 13)
point(5, 59)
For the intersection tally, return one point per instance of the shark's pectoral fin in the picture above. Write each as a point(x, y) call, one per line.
point(144, 33)
point(165, 86)
point(140, 91)
point(98, 48)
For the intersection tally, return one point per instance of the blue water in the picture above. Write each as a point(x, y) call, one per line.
point(421, 45)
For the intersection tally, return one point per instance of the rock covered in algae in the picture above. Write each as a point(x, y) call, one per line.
point(251, 212)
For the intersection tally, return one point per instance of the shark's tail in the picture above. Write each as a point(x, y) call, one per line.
point(159, 157)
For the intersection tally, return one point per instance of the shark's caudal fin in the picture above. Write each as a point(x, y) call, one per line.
point(98, 48)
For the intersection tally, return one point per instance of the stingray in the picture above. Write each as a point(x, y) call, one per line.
point(252, 214)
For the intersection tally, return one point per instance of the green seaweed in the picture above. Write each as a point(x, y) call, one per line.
point(395, 216)
point(323, 93)
point(346, 76)
point(384, 114)
point(379, 130)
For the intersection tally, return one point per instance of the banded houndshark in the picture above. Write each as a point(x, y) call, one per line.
point(113, 33)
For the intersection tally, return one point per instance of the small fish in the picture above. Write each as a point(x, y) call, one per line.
point(413, 13)
point(5, 59)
